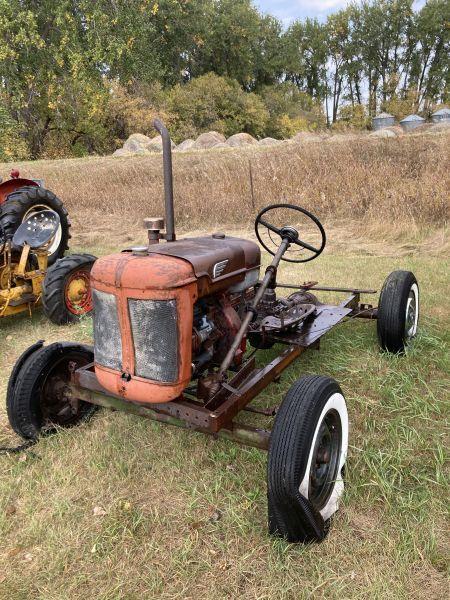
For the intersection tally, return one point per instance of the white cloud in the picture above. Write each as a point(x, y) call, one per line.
point(289, 10)
point(318, 5)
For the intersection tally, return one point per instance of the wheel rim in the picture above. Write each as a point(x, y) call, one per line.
point(77, 294)
point(56, 241)
point(325, 461)
point(56, 407)
point(412, 312)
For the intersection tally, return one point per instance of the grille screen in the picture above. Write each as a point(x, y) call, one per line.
point(107, 340)
point(155, 337)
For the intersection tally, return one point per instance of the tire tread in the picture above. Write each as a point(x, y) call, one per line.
point(392, 311)
point(291, 515)
point(21, 403)
point(53, 287)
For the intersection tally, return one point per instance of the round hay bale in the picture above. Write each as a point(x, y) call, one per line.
point(156, 144)
point(185, 146)
point(306, 136)
point(241, 139)
point(136, 142)
point(122, 152)
point(268, 141)
point(208, 140)
point(382, 133)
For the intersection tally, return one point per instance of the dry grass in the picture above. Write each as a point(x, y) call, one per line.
point(160, 489)
point(403, 181)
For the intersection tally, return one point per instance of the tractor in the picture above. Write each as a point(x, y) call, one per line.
point(34, 235)
point(181, 333)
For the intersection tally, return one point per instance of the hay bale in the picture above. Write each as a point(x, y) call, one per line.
point(268, 141)
point(122, 152)
point(241, 139)
point(342, 137)
point(306, 136)
point(156, 144)
point(396, 129)
point(442, 126)
point(185, 146)
point(382, 133)
point(136, 143)
point(208, 140)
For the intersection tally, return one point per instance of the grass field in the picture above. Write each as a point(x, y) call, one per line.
point(401, 180)
point(122, 508)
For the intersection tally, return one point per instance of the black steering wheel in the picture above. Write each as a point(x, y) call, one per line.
point(287, 231)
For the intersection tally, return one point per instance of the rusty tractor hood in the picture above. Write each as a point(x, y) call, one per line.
point(216, 258)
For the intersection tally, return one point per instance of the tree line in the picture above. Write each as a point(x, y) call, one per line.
point(77, 76)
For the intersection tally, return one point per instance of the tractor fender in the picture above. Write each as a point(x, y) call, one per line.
point(11, 185)
point(19, 364)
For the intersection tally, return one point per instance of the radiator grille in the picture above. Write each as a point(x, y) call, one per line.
point(155, 338)
point(107, 339)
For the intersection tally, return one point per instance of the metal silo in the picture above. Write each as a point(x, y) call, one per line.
point(441, 116)
point(382, 120)
point(412, 122)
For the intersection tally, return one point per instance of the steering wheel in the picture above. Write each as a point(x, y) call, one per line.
point(287, 231)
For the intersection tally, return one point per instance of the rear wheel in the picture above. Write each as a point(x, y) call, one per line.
point(307, 453)
point(24, 203)
point(398, 311)
point(66, 291)
point(37, 399)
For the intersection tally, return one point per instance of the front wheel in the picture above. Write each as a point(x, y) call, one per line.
point(37, 399)
point(398, 311)
point(307, 454)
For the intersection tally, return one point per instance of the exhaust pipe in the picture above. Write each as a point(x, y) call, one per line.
point(168, 179)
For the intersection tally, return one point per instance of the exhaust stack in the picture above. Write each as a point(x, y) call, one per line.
point(168, 179)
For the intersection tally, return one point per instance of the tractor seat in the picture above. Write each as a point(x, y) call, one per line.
point(37, 230)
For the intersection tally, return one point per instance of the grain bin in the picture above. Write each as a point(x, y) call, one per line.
point(441, 116)
point(412, 122)
point(382, 120)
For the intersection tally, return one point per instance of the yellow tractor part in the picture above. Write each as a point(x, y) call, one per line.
point(21, 290)
point(76, 290)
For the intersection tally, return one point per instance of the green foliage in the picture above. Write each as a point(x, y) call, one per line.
point(215, 103)
point(77, 76)
point(12, 144)
point(291, 110)
point(305, 56)
point(131, 112)
point(401, 105)
point(353, 117)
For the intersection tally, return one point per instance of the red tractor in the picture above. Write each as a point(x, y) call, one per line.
point(34, 236)
point(178, 330)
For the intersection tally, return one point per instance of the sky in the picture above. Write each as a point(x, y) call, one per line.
point(289, 10)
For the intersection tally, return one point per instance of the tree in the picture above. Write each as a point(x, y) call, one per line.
point(290, 110)
point(217, 103)
point(338, 36)
point(12, 144)
point(305, 57)
point(430, 55)
point(240, 43)
point(77, 75)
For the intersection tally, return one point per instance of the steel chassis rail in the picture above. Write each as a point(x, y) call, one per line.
point(216, 416)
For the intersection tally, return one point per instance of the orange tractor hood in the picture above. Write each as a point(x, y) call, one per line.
point(140, 273)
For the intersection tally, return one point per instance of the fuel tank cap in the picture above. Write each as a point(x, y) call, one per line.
point(140, 250)
point(218, 236)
